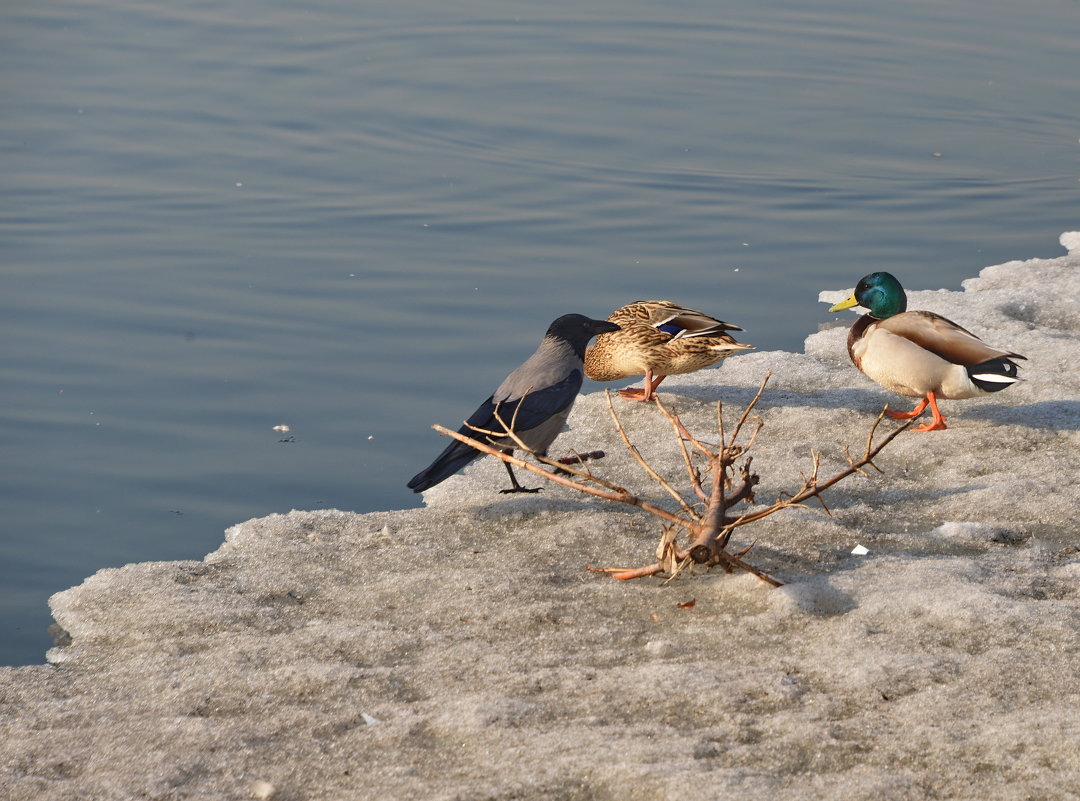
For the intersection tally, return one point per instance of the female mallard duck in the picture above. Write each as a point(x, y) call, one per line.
point(658, 338)
point(920, 354)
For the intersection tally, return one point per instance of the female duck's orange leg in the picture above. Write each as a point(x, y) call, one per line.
point(938, 423)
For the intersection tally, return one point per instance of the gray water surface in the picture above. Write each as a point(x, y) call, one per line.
point(355, 218)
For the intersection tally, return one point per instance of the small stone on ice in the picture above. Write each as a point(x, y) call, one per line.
point(659, 648)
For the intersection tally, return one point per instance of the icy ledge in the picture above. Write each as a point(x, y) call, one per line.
point(461, 651)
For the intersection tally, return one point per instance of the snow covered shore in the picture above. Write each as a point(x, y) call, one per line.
point(461, 651)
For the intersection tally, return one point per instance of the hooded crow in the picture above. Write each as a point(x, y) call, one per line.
point(534, 402)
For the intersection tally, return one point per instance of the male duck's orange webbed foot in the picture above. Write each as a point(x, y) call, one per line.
point(938, 423)
point(908, 415)
point(933, 425)
point(645, 394)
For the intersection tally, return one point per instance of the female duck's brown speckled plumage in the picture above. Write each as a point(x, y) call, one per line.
point(658, 338)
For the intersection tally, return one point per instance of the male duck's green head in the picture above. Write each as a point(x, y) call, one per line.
point(878, 292)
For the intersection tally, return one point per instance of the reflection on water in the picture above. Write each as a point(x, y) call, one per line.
point(353, 221)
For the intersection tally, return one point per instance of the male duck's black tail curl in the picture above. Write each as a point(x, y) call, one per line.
point(996, 374)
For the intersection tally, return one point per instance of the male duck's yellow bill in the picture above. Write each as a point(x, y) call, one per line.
point(845, 304)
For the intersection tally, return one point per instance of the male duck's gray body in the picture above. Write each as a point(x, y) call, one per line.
point(536, 399)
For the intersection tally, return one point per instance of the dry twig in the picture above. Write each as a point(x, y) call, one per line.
point(710, 522)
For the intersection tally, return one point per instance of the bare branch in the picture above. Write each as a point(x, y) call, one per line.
point(749, 408)
point(619, 496)
point(809, 492)
point(683, 436)
point(584, 473)
point(708, 529)
point(702, 447)
point(509, 429)
point(641, 460)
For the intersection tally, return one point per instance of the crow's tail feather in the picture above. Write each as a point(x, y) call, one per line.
point(455, 457)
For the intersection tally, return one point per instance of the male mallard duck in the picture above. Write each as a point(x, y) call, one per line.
point(658, 338)
point(920, 354)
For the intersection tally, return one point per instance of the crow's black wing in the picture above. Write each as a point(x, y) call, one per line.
point(531, 410)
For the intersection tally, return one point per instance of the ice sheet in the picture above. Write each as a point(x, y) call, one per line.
point(462, 651)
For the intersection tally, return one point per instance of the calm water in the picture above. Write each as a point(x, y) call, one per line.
point(355, 218)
